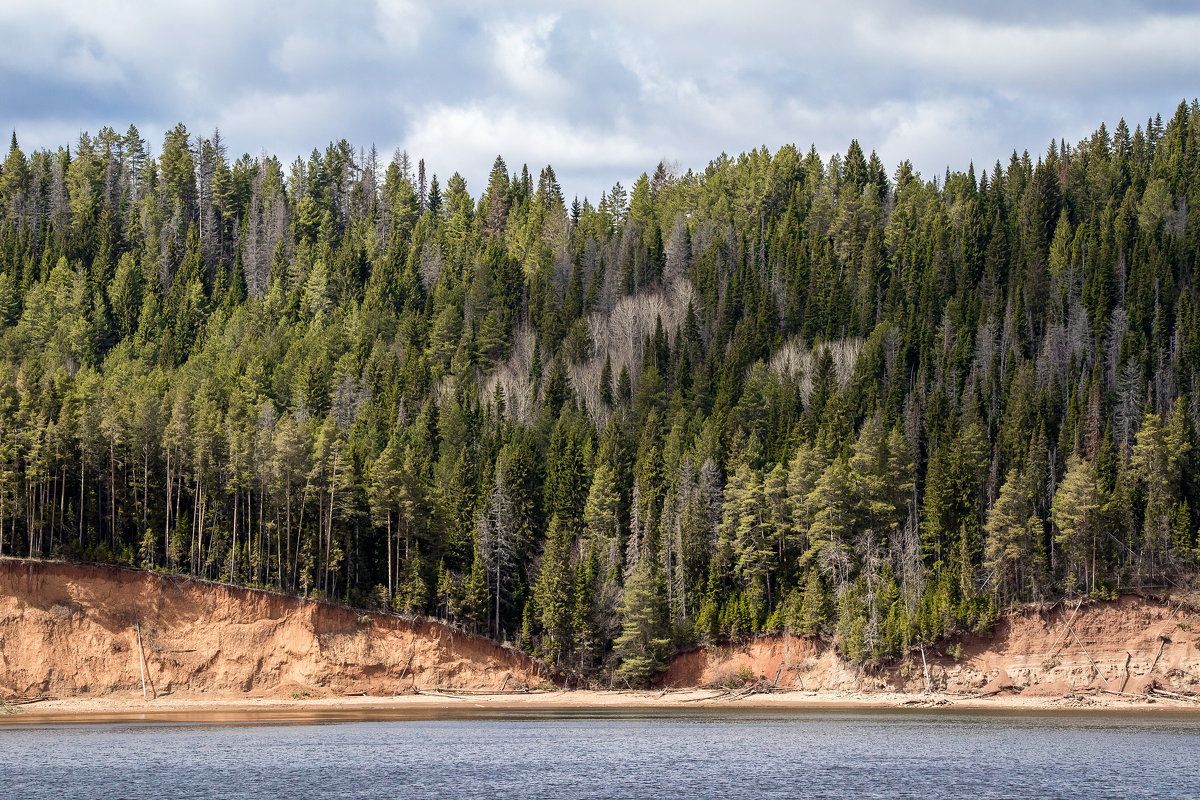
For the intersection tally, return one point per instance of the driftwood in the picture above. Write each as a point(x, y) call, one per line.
point(699, 699)
point(487, 692)
point(411, 653)
point(1162, 642)
point(739, 695)
point(143, 666)
point(1176, 695)
point(932, 702)
point(24, 701)
point(440, 693)
point(1092, 661)
point(761, 687)
point(1122, 694)
point(1054, 648)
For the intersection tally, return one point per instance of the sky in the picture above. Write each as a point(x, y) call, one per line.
point(602, 91)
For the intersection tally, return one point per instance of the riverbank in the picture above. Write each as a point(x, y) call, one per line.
point(102, 638)
point(79, 630)
point(434, 703)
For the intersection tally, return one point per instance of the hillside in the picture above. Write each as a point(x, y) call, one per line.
point(73, 630)
point(786, 392)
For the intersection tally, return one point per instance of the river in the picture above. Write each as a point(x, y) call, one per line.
point(810, 753)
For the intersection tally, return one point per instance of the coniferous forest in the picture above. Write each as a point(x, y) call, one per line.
point(786, 392)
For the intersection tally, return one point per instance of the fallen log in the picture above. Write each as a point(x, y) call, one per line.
point(932, 702)
point(755, 689)
point(488, 692)
point(1092, 661)
point(699, 699)
point(1162, 642)
point(1054, 648)
point(24, 701)
point(1176, 695)
point(1124, 694)
point(411, 652)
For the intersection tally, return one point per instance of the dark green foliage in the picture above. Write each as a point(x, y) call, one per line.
point(782, 393)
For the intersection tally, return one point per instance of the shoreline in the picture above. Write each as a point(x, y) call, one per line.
point(429, 705)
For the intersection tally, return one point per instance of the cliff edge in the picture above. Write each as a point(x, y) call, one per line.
point(83, 630)
point(1129, 645)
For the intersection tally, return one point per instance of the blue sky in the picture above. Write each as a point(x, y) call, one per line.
point(602, 91)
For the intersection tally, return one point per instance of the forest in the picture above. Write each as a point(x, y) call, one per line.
point(786, 392)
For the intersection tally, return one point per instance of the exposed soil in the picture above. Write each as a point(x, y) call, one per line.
point(1130, 645)
point(71, 630)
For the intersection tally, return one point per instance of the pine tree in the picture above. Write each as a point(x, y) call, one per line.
point(643, 642)
point(1012, 531)
point(600, 513)
point(553, 593)
point(1075, 508)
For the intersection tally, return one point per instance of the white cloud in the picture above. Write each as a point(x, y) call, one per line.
point(600, 91)
point(400, 22)
point(286, 125)
point(519, 54)
point(468, 139)
point(1041, 59)
point(936, 133)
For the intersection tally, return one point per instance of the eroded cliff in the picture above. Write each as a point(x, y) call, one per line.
point(1126, 645)
point(80, 630)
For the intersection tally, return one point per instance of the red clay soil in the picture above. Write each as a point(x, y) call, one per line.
point(1127, 645)
point(72, 630)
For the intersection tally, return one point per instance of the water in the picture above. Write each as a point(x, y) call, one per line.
point(810, 753)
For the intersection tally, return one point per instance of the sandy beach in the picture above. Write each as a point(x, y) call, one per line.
point(117, 707)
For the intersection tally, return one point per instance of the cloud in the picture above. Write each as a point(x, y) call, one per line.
point(400, 23)
point(519, 54)
point(286, 124)
point(600, 91)
point(1042, 59)
point(469, 139)
point(948, 132)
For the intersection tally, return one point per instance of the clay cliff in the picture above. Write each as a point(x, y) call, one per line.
point(1127, 645)
point(72, 630)
point(79, 630)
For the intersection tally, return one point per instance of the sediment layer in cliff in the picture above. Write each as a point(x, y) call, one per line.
point(72, 630)
point(1127, 645)
point(82, 630)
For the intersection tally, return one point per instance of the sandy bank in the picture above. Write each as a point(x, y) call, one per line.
point(71, 630)
point(425, 706)
point(88, 636)
point(1132, 645)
